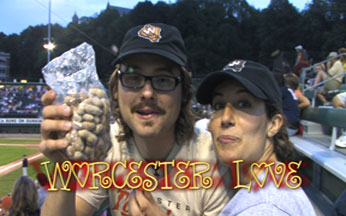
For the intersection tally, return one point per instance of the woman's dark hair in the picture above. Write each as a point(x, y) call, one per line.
point(283, 147)
point(24, 197)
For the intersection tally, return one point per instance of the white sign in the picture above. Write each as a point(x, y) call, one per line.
point(9, 121)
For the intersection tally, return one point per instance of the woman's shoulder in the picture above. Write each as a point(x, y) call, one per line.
point(272, 199)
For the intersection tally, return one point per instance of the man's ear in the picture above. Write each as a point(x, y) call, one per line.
point(275, 125)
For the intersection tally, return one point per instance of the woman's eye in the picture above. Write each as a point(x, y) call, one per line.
point(243, 104)
point(218, 106)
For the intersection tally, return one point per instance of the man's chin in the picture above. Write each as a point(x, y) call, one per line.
point(146, 132)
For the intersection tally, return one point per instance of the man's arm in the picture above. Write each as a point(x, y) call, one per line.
point(58, 202)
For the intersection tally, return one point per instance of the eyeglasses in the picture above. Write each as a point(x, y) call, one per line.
point(160, 83)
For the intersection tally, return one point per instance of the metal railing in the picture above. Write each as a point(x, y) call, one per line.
point(306, 69)
point(315, 86)
point(332, 117)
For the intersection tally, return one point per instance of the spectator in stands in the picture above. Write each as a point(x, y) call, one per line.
point(42, 181)
point(24, 198)
point(20, 101)
point(334, 70)
point(5, 205)
point(248, 125)
point(204, 118)
point(302, 60)
point(289, 104)
point(292, 82)
point(339, 101)
point(343, 57)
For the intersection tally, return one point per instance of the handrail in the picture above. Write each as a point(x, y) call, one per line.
point(325, 81)
point(333, 117)
point(324, 61)
point(304, 70)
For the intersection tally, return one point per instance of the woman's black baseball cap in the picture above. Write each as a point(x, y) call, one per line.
point(255, 77)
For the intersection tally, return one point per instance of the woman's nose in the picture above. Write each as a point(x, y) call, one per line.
point(227, 118)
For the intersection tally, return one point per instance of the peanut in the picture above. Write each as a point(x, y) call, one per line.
point(97, 92)
point(90, 122)
point(88, 125)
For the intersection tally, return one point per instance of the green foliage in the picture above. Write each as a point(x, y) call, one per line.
point(215, 32)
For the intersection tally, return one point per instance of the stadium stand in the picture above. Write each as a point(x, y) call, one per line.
point(20, 107)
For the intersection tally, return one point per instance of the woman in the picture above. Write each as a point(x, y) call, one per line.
point(248, 125)
point(24, 198)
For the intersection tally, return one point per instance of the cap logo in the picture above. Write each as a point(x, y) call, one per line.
point(150, 32)
point(236, 65)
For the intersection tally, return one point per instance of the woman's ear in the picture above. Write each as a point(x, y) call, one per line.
point(275, 125)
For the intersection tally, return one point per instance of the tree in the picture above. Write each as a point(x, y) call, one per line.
point(279, 29)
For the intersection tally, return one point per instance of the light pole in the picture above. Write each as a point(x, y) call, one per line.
point(49, 36)
point(49, 45)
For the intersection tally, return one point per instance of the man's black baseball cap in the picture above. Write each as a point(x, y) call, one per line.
point(255, 77)
point(155, 38)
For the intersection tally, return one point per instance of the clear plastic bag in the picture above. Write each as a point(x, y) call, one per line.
point(73, 76)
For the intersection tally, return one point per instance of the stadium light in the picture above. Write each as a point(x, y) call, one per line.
point(49, 45)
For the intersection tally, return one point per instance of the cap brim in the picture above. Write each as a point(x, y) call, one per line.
point(162, 53)
point(206, 88)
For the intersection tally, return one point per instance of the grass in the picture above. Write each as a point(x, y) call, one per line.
point(20, 141)
point(12, 153)
point(7, 181)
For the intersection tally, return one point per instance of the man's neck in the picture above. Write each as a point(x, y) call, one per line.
point(154, 148)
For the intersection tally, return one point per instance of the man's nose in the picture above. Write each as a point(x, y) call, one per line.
point(147, 91)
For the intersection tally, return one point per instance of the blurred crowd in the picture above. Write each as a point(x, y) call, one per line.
point(21, 101)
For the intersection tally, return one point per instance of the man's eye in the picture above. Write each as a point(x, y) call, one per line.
point(218, 106)
point(164, 80)
point(134, 78)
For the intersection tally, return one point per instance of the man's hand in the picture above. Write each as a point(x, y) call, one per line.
point(51, 144)
point(142, 203)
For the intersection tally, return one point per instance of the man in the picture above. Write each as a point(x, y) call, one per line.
point(301, 60)
point(25, 165)
point(334, 70)
point(150, 91)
